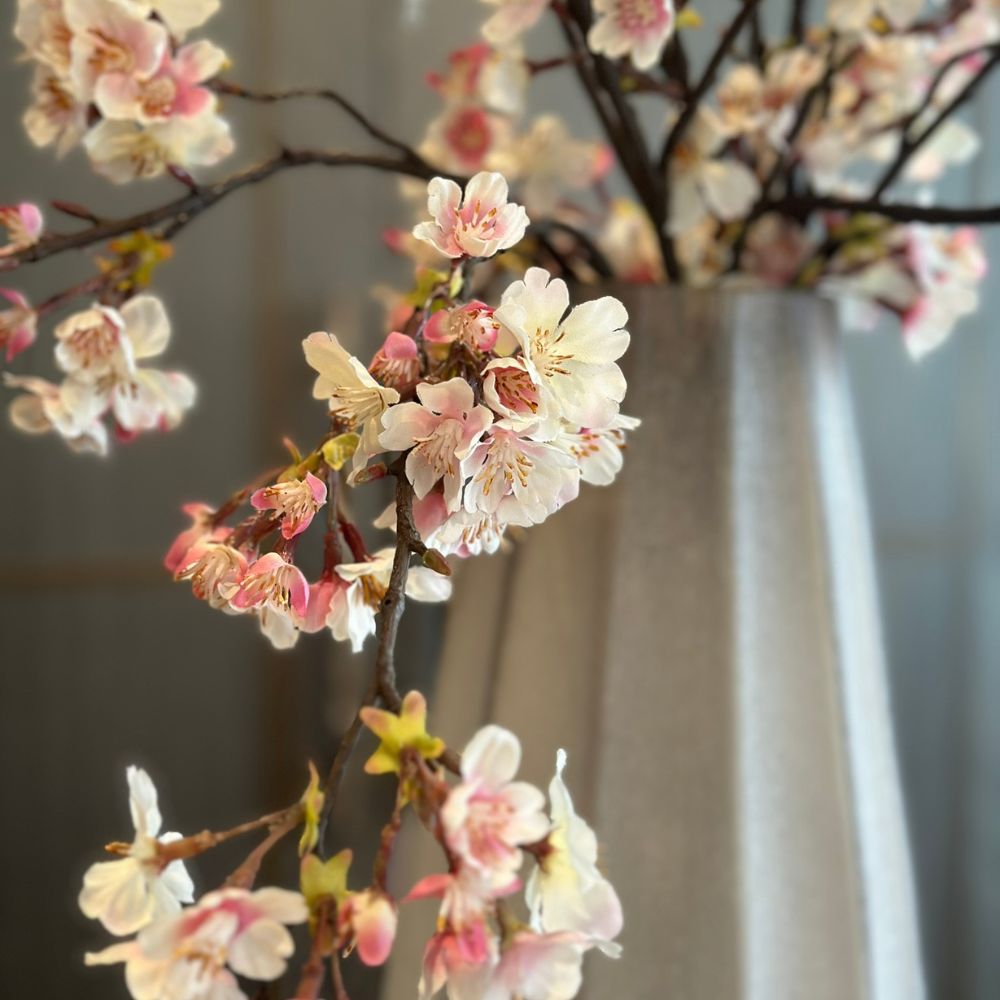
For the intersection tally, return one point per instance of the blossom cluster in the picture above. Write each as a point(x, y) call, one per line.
point(481, 127)
point(99, 352)
point(497, 415)
point(182, 952)
point(119, 77)
point(828, 112)
point(484, 948)
point(489, 822)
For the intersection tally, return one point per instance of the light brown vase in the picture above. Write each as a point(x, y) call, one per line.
point(704, 640)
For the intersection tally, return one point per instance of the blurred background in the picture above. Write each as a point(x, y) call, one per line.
point(105, 662)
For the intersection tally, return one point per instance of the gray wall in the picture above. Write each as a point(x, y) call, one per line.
point(105, 663)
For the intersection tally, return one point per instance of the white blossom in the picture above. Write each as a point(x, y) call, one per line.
point(127, 894)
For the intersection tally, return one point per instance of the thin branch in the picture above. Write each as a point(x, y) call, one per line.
point(198, 843)
point(245, 876)
point(706, 81)
point(339, 990)
point(408, 543)
point(595, 256)
point(314, 969)
point(176, 214)
point(797, 21)
point(908, 145)
point(609, 109)
point(676, 134)
point(821, 88)
point(324, 94)
point(335, 776)
point(802, 206)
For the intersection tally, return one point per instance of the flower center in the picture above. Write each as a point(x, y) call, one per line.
point(356, 405)
point(548, 361)
point(93, 344)
point(640, 15)
point(108, 54)
point(294, 499)
point(506, 462)
point(516, 391)
point(468, 135)
point(158, 97)
point(439, 449)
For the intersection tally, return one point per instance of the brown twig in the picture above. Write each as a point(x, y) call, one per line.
point(335, 776)
point(324, 94)
point(802, 206)
point(198, 843)
point(314, 969)
point(339, 990)
point(676, 134)
point(706, 81)
point(245, 876)
point(408, 542)
point(909, 145)
point(608, 104)
point(176, 214)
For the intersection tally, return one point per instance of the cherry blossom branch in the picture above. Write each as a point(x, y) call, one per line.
point(909, 146)
point(325, 94)
point(180, 212)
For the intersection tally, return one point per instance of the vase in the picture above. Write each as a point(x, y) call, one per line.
point(703, 638)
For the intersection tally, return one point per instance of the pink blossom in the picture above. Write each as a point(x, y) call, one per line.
point(478, 225)
point(216, 570)
point(295, 500)
point(471, 324)
point(175, 90)
point(488, 816)
point(197, 952)
point(24, 225)
point(462, 138)
point(512, 19)
point(368, 919)
point(111, 37)
point(326, 599)
point(201, 517)
point(599, 452)
point(461, 81)
point(440, 431)
point(273, 583)
point(464, 944)
point(635, 28)
point(18, 324)
point(536, 966)
point(513, 389)
point(397, 362)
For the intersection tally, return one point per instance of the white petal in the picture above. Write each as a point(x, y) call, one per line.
point(492, 756)
point(146, 325)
